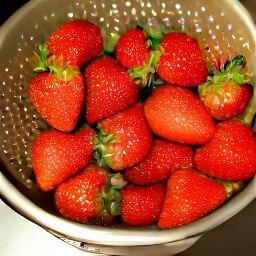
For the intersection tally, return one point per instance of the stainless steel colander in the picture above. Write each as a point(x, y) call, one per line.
point(221, 27)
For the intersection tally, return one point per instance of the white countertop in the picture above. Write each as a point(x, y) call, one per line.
point(21, 237)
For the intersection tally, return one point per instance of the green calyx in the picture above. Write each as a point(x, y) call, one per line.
point(234, 70)
point(44, 61)
point(208, 86)
point(103, 148)
point(230, 71)
point(39, 60)
point(145, 73)
point(155, 31)
point(229, 187)
point(109, 198)
point(232, 187)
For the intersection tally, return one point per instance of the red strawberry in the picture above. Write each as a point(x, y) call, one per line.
point(135, 51)
point(164, 157)
point(124, 138)
point(76, 198)
point(109, 89)
point(231, 153)
point(182, 61)
point(78, 41)
point(56, 155)
point(226, 93)
point(177, 114)
point(189, 196)
point(88, 196)
point(141, 206)
point(132, 49)
point(58, 100)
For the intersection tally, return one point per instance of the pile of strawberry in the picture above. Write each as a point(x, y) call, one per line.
point(146, 130)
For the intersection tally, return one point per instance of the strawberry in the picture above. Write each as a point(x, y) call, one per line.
point(227, 92)
point(59, 100)
point(109, 89)
point(230, 154)
point(56, 155)
point(164, 157)
point(141, 206)
point(132, 49)
point(89, 196)
point(182, 61)
point(78, 41)
point(177, 114)
point(124, 139)
point(135, 50)
point(190, 195)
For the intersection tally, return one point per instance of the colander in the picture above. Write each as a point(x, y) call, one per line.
point(221, 27)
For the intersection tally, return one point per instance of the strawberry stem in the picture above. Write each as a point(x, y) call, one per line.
point(39, 60)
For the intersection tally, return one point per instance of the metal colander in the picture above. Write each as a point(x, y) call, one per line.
point(221, 29)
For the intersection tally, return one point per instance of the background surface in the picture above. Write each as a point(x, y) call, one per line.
point(20, 237)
